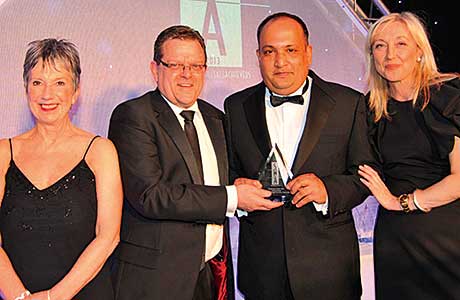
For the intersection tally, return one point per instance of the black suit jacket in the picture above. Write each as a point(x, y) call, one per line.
point(165, 213)
point(318, 254)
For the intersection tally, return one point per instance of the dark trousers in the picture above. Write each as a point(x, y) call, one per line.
point(204, 289)
point(283, 294)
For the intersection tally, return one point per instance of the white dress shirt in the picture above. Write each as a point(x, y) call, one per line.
point(286, 125)
point(214, 232)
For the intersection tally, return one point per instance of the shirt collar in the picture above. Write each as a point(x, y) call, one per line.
point(177, 109)
point(297, 92)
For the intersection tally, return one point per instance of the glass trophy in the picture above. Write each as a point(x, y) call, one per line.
point(270, 176)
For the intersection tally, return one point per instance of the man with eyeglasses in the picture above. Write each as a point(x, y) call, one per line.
point(173, 160)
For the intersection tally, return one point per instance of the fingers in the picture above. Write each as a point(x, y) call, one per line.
point(266, 205)
point(251, 198)
point(300, 181)
point(368, 169)
point(302, 197)
point(368, 173)
point(365, 182)
point(253, 182)
point(300, 194)
point(306, 195)
point(307, 188)
point(260, 204)
point(371, 179)
point(302, 202)
point(250, 191)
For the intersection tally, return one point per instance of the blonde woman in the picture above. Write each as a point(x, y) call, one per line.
point(416, 128)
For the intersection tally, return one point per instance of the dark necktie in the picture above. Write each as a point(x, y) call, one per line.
point(297, 99)
point(192, 136)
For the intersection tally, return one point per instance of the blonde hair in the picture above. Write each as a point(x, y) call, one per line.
point(426, 72)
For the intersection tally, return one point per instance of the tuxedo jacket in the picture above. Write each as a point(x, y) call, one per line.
point(165, 212)
point(316, 255)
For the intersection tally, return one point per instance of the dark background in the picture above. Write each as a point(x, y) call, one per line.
point(442, 22)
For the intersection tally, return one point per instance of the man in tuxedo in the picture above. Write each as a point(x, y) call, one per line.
point(308, 248)
point(173, 160)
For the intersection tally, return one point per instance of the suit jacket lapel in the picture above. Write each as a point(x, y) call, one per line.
point(171, 126)
point(320, 106)
point(254, 109)
point(215, 128)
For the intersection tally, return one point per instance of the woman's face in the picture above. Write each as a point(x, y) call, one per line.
point(51, 92)
point(395, 53)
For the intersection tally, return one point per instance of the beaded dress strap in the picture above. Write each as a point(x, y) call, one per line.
point(90, 143)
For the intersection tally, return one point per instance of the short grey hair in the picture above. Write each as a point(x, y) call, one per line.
point(51, 51)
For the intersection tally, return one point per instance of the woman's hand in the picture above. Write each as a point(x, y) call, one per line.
point(372, 180)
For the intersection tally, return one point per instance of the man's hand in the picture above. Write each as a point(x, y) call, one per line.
point(307, 188)
point(253, 182)
point(251, 196)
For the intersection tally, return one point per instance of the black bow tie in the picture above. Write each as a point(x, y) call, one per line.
point(277, 100)
point(297, 99)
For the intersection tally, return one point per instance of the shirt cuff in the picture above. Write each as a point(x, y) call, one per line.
point(232, 200)
point(323, 207)
point(241, 213)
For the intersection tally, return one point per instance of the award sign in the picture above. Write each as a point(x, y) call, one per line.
point(271, 178)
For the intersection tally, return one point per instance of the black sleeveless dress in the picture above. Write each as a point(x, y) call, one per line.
point(45, 231)
point(416, 255)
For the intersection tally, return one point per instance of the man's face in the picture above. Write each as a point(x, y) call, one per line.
point(284, 56)
point(181, 84)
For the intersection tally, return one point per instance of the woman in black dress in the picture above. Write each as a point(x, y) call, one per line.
point(60, 191)
point(415, 111)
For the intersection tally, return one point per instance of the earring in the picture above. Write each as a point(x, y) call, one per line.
point(419, 59)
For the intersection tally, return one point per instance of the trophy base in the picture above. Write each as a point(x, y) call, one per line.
point(281, 197)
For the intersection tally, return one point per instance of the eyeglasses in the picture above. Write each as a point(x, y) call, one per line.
point(197, 68)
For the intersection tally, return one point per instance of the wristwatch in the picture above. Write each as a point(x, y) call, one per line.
point(404, 202)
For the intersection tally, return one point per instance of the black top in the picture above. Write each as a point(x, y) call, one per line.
point(410, 154)
point(416, 255)
point(45, 231)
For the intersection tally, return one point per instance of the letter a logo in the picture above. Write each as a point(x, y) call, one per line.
point(212, 14)
point(220, 24)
